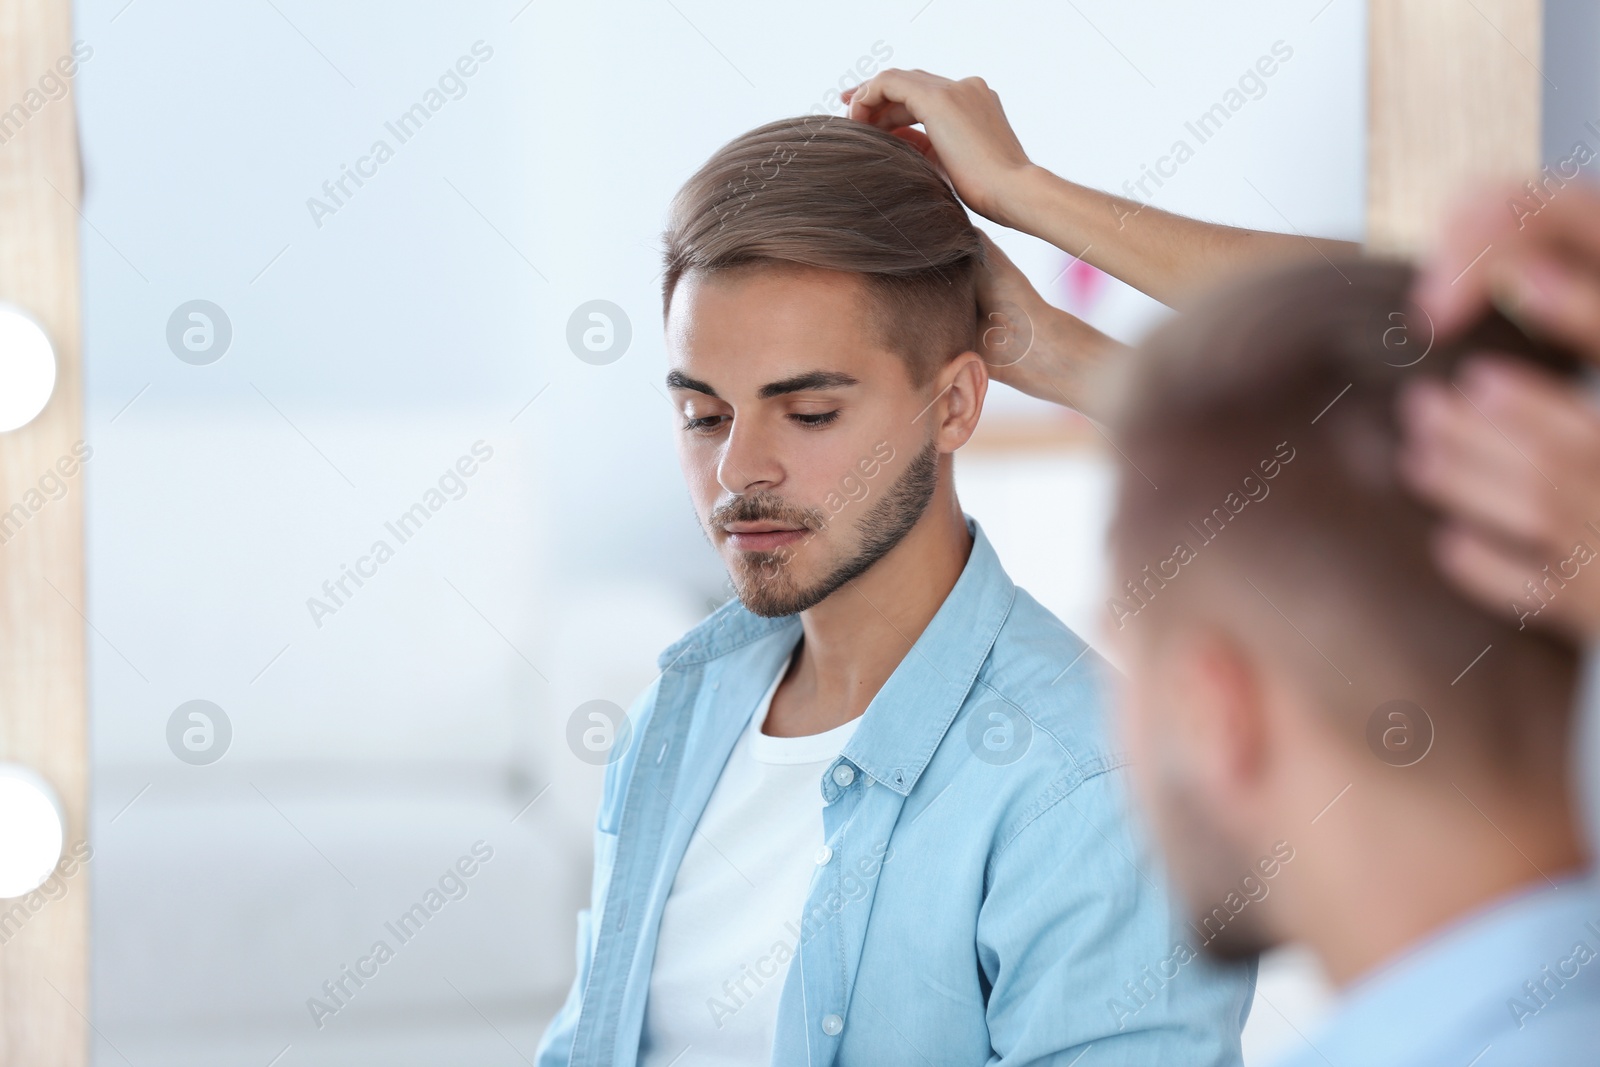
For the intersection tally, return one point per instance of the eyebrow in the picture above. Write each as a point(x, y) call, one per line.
point(679, 380)
point(799, 383)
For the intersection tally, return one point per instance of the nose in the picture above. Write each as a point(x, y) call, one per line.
point(749, 462)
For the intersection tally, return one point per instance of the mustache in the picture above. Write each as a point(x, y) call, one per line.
point(766, 507)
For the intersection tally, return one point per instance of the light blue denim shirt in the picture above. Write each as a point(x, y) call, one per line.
point(988, 898)
point(1515, 985)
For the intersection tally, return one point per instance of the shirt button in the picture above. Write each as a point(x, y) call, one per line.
point(844, 774)
point(824, 854)
point(832, 1025)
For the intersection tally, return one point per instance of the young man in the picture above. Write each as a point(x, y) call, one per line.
point(869, 813)
point(1338, 748)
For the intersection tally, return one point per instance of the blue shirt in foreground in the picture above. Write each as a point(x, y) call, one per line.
point(988, 898)
point(1515, 985)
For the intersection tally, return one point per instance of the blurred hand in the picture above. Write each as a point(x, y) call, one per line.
point(966, 133)
point(1511, 453)
point(1031, 345)
point(1508, 451)
point(1540, 264)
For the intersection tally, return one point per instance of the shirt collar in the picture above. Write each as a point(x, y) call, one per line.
point(908, 718)
point(730, 627)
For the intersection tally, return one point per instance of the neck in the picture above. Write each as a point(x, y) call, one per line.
point(1379, 884)
point(854, 640)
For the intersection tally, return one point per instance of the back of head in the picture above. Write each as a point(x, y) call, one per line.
point(1268, 421)
point(831, 193)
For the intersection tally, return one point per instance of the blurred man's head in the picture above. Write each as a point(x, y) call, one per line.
point(1296, 663)
point(821, 312)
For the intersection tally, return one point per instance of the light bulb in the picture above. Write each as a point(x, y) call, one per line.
point(31, 831)
point(27, 368)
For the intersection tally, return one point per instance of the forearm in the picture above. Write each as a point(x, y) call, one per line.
point(1067, 360)
point(1169, 257)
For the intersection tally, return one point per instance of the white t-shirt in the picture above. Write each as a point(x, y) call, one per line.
point(732, 920)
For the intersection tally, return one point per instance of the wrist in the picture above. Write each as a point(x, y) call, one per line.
point(1023, 198)
point(1054, 341)
point(1076, 353)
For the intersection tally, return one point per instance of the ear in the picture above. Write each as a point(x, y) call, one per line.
point(958, 392)
point(1220, 719)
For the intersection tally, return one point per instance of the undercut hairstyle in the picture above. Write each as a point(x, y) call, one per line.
point(1268, 420)
point(836, 194)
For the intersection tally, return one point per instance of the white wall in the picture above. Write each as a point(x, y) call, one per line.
point(421, 317)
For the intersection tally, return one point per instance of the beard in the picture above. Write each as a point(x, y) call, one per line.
point(765, 582)
point(1209, 870)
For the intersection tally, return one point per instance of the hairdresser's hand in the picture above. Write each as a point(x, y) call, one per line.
point(1511, 453)
point(967, 133)
point(1539, 263)
point(1031, 345)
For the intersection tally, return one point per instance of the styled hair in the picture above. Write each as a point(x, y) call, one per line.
point(1267, 418)
point(828, 192)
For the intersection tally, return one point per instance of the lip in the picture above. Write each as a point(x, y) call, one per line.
point(761, 536)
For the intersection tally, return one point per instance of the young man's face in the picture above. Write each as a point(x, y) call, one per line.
point(802, 438)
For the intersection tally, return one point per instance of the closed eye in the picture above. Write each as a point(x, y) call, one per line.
point(703, 425)
point(820, 419)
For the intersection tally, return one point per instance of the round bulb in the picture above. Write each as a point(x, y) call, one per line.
point(31, 832)
point(27, 368)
